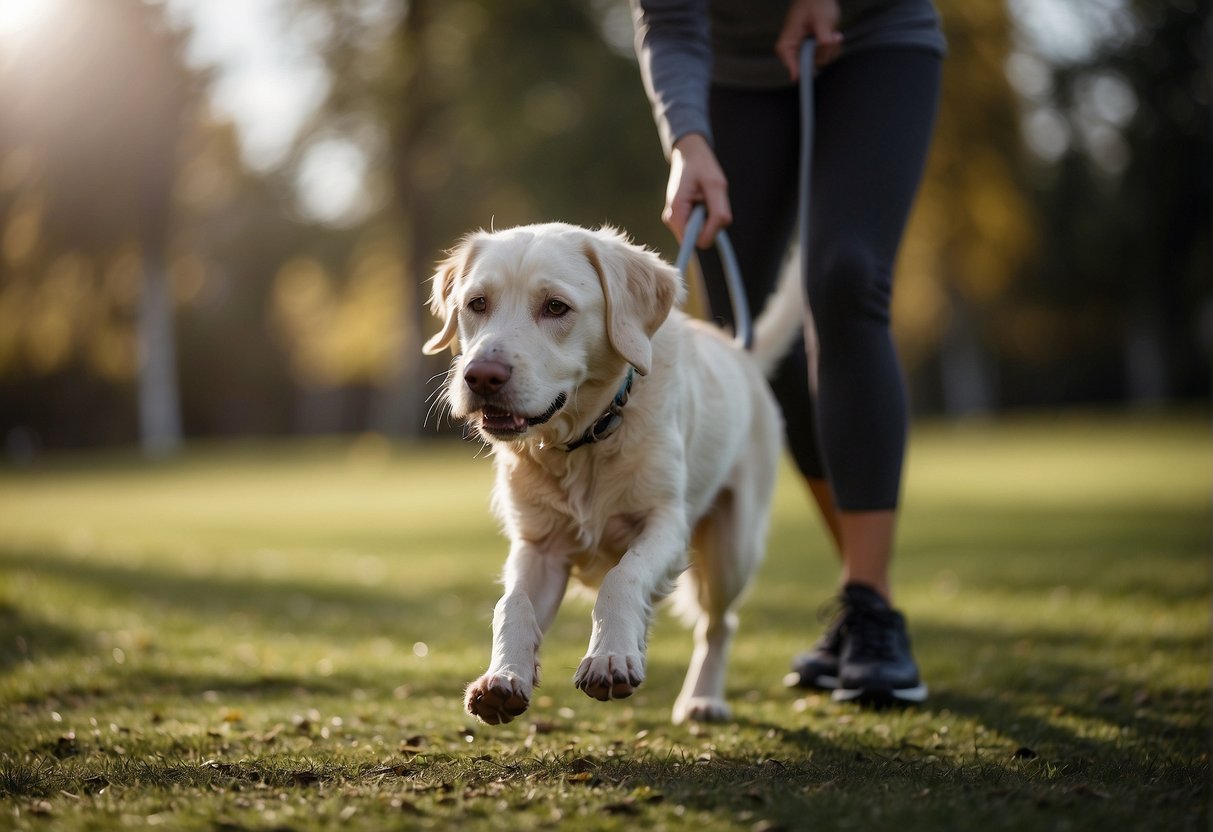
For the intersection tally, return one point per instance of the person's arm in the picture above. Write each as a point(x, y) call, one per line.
point(674, 48)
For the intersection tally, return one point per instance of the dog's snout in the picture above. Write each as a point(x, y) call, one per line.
point(486, 377)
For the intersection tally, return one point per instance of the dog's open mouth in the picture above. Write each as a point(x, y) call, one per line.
point(501, 422)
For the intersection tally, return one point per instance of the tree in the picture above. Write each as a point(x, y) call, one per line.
point(94, 112)
point(972, 232)
point(1128, 200)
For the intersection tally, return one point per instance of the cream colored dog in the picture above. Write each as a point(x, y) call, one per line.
point(632, 445)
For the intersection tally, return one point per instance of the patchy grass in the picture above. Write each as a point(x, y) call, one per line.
point(277, 638)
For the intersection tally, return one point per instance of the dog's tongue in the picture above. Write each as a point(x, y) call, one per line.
point(494, 418)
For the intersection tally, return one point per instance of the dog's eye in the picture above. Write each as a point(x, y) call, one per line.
point(555, 308)
point(477, 305)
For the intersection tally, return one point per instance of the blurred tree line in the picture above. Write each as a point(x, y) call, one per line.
point(1059, 252)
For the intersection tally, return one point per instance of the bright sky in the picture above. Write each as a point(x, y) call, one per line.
point(267, 81)
point(17, 16)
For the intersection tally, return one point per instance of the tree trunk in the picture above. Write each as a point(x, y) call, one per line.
point(965, 371)
point(159, 407)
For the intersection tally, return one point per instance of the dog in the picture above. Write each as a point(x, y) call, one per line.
point(634, 449)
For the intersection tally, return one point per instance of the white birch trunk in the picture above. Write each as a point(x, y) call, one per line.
point(160, 431)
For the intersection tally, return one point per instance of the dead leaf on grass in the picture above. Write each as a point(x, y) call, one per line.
point(396, 771)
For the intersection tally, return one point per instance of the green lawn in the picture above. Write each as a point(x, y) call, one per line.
point(277, 637)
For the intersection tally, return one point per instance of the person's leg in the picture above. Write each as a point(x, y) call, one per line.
point(874, 116)
point(873, 120)
point(757, 141)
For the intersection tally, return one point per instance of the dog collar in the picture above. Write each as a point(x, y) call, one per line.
point(610, 421)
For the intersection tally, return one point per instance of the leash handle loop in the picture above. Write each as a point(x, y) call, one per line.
point(732, 272)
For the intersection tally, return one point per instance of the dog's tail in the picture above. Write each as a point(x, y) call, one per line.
point(785, 316)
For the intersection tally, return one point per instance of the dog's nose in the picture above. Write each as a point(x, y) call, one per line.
point(485, 377)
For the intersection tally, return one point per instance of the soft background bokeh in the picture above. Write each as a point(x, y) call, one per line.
point(217, 217)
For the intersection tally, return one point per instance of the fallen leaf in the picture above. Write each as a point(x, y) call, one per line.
point(396, 770)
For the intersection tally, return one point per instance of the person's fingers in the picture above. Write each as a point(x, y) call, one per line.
point(696, 177)
point(808, 19)
point(828, 48)
point(788, 50)
point(720, 214)
point(675, 216)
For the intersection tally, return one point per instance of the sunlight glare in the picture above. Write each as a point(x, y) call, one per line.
point(18, 17)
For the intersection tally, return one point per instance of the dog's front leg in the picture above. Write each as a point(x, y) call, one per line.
point(614, 665)
point(535, 582)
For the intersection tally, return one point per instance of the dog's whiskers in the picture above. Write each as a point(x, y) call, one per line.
point(439, 399)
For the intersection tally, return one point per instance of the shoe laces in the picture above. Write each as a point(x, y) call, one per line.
point(832, 614)
point(871, 632)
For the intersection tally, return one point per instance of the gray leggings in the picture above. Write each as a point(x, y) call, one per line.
point(875, 111)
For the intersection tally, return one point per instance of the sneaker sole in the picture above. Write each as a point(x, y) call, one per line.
point(820, 682)
point(882, 696)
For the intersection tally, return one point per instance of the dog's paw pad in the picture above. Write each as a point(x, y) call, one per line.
point(611, 676)
point(497, 699)
point(702, 709)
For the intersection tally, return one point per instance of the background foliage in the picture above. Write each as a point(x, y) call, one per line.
point(1059, 252)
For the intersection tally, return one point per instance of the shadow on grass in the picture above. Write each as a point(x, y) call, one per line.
point(290, 606)
point(24, 637)
point(243, 608)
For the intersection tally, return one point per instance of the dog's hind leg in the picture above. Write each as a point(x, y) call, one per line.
point(721, 568)
point(535, 583)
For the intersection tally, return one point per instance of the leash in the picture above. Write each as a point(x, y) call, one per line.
point(808, 56)
point(732, 273)
point(728, 258)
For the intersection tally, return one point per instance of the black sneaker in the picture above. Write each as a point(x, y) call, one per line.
point(875, 665)
point(818, 667)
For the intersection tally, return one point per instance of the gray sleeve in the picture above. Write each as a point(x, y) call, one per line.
point(674, 47)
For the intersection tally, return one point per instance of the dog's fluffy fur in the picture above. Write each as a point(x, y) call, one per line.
point(556, 314)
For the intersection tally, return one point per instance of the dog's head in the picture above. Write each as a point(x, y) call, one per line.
point(537, 313)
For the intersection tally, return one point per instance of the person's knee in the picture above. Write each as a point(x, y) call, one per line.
point(846, 283)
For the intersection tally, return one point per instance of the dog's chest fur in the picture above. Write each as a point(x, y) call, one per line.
point(583, 513)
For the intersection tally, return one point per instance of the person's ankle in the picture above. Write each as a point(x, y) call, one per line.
point(881, 588)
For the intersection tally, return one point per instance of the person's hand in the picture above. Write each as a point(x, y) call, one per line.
point(695, 176)
point(816, 19)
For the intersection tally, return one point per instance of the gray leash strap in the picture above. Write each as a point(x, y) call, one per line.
point(807, 68)
point(744, 333)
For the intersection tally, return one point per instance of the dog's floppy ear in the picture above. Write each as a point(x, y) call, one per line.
point(640, 290)
point(442, 300)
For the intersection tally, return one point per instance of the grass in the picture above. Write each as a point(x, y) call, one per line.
point(276, 637)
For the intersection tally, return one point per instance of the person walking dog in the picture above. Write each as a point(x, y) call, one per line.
point(722, 79)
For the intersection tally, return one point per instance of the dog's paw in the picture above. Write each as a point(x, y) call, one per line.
point(701, 709)
point(611, 676)
point(497, 698)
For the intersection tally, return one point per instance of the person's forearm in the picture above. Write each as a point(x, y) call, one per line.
point(675, 54)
